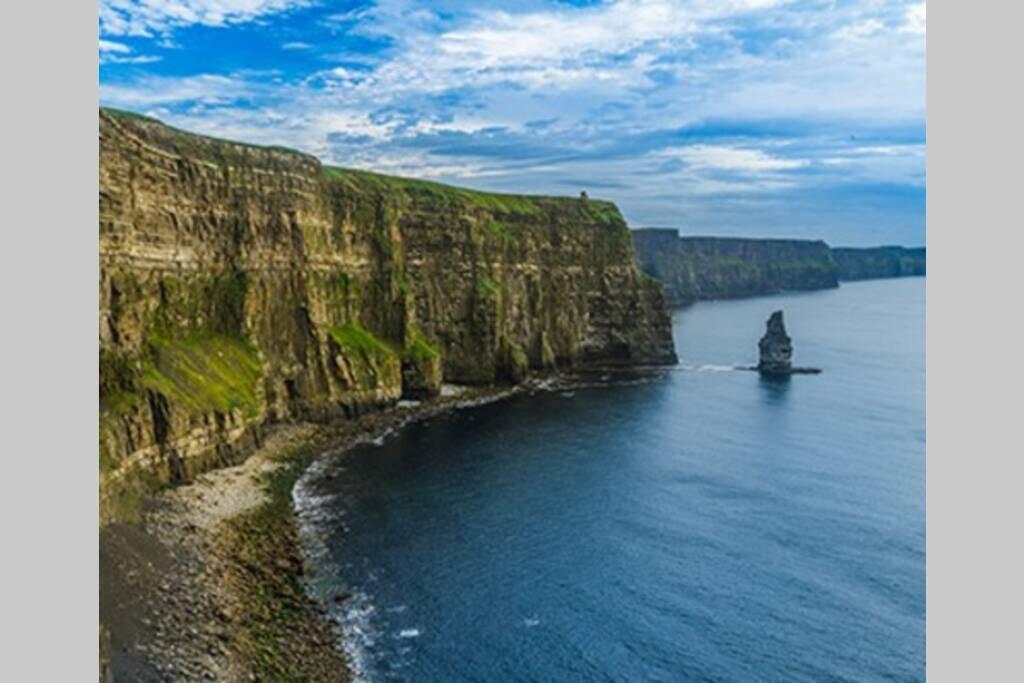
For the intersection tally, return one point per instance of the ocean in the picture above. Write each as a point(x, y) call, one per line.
point(696, 524)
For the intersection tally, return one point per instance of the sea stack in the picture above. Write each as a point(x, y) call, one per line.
point(776, 348)
point(777, 351)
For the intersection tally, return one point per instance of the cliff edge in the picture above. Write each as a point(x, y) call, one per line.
point(701, 268)
point(879, 262)
point(242, 285)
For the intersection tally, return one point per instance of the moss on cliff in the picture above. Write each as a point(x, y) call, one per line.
point(205, 373)
point(487, 288)
point(353, 338)
point(419, 349)
point(365, 360)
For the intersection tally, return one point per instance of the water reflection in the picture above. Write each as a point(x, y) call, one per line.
point(774, 389)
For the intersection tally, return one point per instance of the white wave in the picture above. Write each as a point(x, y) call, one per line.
point(409, 633)
point(358, 634)
point(707, 367)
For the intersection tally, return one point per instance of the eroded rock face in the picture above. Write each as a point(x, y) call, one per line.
point(879, 262)
point(776, 348)
point(703, 268)
point(242, 285)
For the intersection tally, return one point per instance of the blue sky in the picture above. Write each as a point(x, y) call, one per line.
point(779, 118)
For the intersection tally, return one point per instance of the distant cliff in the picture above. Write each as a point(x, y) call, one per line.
point(702, 268)
point(878, 262)
point(698, 268)
point(242, 285)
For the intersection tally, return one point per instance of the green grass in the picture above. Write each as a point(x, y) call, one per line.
point(419, 349)
point(355, 339)
point(439, 193)
point(496, 229)
point(119, 402)
point(205, 373)
point(486, 287)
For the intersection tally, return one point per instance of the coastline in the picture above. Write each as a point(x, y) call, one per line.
point(209, 584)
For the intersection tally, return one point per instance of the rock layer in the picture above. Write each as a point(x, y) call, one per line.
point(878, 262)
point(241, 285)
point(702, 268)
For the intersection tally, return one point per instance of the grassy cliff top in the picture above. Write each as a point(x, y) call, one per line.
point(218, 150)
point(171, 131)
point(669, 233)
point(598, 211)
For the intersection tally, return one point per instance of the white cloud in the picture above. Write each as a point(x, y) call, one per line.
point(860, 29)
point(149, 17)
point(502, 39)
point(728, 158)
point(457, 96)
point(206, 89)
point(345, 122)
point(109, 46)
point(889, 150)
point(916, 19)
point(119, 53)
point(137, 59)
point(609, 45)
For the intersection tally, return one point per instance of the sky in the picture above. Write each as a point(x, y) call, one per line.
point(766, 118)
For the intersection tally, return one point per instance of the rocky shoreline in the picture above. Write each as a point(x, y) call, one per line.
point(209, 584)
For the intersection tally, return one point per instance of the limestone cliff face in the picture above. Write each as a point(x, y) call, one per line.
point(879, 262)
point(699, 268)
point(240, 285)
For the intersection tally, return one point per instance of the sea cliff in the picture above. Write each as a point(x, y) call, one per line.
point(242, 286)
point(878, 262)
point(702, 268)
point(699, 268)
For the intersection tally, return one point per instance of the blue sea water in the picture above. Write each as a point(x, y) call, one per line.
point(702, 525)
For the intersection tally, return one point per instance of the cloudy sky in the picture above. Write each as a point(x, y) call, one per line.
point(735, 117)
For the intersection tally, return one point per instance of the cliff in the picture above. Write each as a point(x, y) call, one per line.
point(878, 262)
point(698, 268)
point(242, 285)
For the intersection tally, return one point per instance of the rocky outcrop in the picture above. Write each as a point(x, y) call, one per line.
point(776, 351)
point(775, 347)
point(878, 262)
point(242, 285)
point(701, 268)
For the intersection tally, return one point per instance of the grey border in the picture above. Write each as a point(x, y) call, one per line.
point(975, 567)
point(49, 284)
